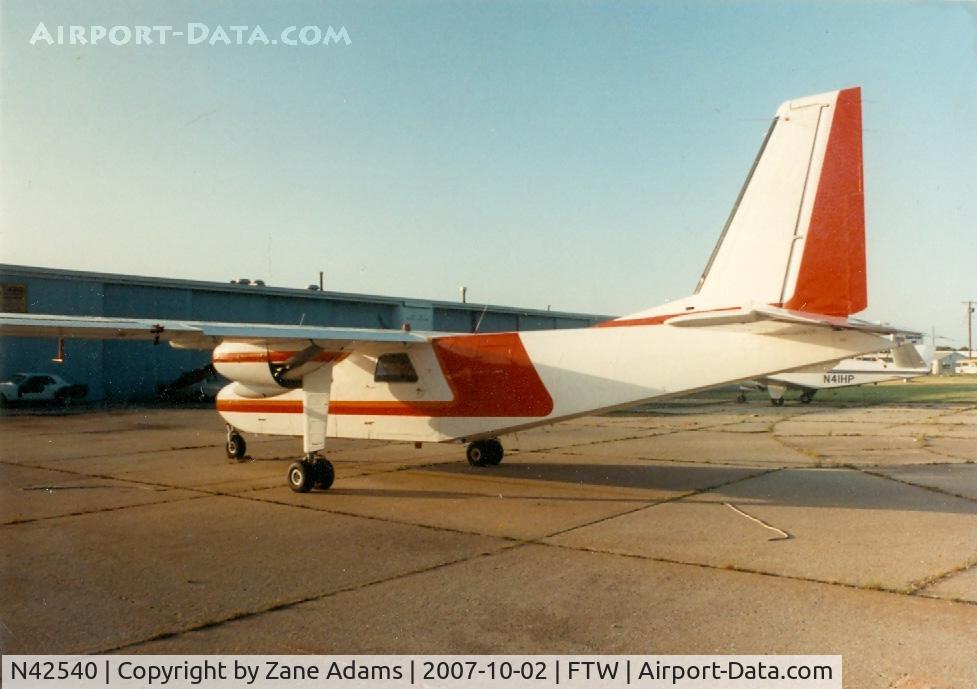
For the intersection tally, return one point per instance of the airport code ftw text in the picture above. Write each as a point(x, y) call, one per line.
point(401, 672)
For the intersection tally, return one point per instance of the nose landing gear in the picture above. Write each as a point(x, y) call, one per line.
point(235, 447)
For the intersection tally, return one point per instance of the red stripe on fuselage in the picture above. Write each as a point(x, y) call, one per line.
point(489, 375)
point(263, 406)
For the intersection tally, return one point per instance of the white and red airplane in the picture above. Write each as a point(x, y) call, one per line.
point(904, 361)
point(776, 295)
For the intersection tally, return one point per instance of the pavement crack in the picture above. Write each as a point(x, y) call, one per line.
point(932, 489)
point(144, 485)
point(749, 570)
point(508, 544)
point(101, 510)
point(284, 605)
point(54, 487)
point(943, 454)
point(368, 517)
point(804, 452)
point(663, 501)
point(919, 586)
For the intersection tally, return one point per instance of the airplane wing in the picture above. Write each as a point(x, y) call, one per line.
point(193, 334)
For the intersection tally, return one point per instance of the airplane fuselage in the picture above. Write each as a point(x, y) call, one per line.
point(467, 387)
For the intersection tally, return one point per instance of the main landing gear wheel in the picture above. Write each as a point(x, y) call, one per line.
point(496, 452)
point(777, 401)
point(482, 453)
point(311, 472)
point(807, 396)
point(300, 476)
point(323, 473)
point(236, 447)
point(741, 397)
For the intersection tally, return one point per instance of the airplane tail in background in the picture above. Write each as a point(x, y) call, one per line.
point(908, 356)
point(796, 236)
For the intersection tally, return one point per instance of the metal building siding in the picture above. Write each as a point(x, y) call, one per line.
point(452, 320)
point(491, 322)
point(531, 322)
point(84, 363)
point(51, 295)
point(142, 301)
point(238, 307)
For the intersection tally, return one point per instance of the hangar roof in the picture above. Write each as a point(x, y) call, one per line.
point(292, 292)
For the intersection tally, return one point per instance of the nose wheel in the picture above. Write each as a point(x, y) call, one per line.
point(235, 447)
point(312, 472)
point(483, 453)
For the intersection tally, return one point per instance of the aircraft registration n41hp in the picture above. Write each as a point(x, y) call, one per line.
point(776, 295)
point(905, 361)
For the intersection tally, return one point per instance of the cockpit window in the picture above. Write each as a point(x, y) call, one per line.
point(395, 368)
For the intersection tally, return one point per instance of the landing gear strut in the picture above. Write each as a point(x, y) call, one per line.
point(235, 447)
point(483, 453)
point(312, 472)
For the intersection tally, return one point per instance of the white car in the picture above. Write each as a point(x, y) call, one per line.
point(39, 387)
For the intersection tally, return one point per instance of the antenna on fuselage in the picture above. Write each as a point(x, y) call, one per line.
point(480, 317)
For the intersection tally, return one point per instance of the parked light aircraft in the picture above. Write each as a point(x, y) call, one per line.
point(776, 295)
point(906, 361)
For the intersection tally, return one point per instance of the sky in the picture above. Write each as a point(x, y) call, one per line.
point(579, 155)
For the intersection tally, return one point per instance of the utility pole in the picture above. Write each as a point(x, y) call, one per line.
point(970, 327)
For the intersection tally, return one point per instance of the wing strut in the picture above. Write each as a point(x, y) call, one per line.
point(315, 408)
point(314, 470)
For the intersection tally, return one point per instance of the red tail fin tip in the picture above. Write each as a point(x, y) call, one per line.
point(832, 278)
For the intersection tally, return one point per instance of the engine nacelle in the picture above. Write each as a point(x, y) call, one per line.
point(254, 366)
point(264, 371)
point(251, 392)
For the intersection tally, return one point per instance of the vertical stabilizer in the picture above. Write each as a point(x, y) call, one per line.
point(796, 235)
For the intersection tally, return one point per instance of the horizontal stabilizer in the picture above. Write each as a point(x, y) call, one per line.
point(753, 314)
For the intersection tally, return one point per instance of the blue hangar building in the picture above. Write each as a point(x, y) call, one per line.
point(119, 371)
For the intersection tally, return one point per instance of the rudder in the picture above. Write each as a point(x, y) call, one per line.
point(796, 235)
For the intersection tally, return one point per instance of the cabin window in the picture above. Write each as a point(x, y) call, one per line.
point(395, 368)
